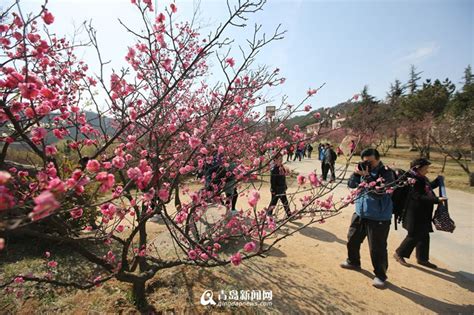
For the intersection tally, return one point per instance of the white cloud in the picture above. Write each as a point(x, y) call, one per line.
point(420, 53)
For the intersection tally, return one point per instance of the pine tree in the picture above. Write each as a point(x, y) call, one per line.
point(412, 84)
point(393, 100)
point(468, 76)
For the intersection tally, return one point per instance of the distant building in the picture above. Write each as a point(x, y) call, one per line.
point(337, 123)
point(311, 129)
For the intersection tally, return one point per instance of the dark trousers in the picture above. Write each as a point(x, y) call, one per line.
point(377, 234)
point(274, 202)
point(231, 199)
point(309, 154)
point(297, 156)
point(419, 240)
point(326, 168)
point(289, 157)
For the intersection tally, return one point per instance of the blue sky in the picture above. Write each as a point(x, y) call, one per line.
point(346, 44)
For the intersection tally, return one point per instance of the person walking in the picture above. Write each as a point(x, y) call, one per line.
point(329, 162)
point(418, 215)
point(373, 213)
point(299, 152)
point(230, 189)
point(291, 150)
point(309, 148)
point(352, 146)
point(321, 149)
point(278, 186)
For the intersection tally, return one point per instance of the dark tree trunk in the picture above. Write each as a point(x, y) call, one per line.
point(471, 179)
point(395, 138)
point(139, 296)
point(444, 163)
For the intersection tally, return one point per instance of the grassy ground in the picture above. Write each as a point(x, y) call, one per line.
point(455, 176)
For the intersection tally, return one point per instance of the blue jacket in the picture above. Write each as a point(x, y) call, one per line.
point(322, 154)
point(369, 204)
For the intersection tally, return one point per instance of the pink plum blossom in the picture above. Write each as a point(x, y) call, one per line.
point(4, 177)
point(301, 180)
point(48, 18)
point(253, 198)
point(76, 213)
point(45, 203)
point(250, 247)
point(93, 166)
point(236, 259)
point(192, 254)
point(52, 264)
point(230, 61)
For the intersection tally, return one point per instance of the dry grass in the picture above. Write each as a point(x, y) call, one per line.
point(455, 176)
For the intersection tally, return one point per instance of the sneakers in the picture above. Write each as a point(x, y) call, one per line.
point(427, 264)
point(347, 265)
point(378, 283)
point(401, 260)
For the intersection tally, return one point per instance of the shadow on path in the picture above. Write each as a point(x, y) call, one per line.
point(460, 278)
point(432, 304)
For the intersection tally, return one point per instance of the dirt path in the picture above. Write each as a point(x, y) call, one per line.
point(304, 274)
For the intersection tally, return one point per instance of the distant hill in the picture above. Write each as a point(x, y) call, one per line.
point(92, 118)
point(304, 120)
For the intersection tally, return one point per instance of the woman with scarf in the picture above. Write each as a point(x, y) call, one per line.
point(418, 215)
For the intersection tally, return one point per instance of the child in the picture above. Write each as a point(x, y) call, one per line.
point(278, 186)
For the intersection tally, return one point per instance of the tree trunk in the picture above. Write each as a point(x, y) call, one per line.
point(444, 163)
point(139, 296)
point(471, 179)
point(395, 137)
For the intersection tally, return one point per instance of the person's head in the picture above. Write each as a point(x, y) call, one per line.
point(278, 159)
point(327, 145)
point(421, 166)
point(371, 157)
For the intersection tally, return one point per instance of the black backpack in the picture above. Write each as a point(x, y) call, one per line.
point(400, 194)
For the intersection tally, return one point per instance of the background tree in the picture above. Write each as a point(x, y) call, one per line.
point(455, 130)
point(420, 110)
point(394, 97)
point(368, 119)
point(412, 84)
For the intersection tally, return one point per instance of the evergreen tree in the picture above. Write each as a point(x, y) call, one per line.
point(412, 84)
point(393, 100)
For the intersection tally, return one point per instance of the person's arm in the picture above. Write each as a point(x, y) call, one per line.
point(354, 180)
point(435, 183)
point(418, 193)
point(389, 177)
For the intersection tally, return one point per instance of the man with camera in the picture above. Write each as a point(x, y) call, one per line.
point(372, 216)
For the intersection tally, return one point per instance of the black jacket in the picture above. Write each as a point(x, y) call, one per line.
point(330, 156)
point(278, 180)
point(419, 209)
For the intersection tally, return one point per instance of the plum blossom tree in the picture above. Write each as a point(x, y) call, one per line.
point(157, 124)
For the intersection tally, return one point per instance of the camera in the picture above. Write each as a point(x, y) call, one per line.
point(362, 166)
